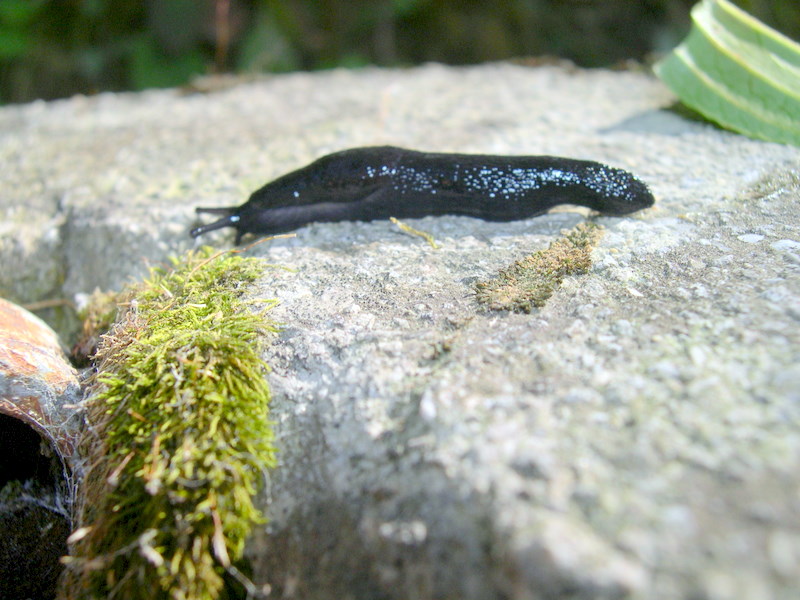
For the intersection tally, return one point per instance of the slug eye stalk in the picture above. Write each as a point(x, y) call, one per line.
point(229, 220)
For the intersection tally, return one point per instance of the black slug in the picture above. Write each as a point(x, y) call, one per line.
point(365, 184)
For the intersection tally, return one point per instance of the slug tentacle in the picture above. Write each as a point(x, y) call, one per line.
point(228, 221)
point(227, 210)
point(365, 184)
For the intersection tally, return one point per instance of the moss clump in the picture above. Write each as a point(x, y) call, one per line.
point(529, 282)
point(179, 437)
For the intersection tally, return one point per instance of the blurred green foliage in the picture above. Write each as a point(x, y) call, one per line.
point(56, 48)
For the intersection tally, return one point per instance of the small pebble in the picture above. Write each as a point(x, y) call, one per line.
point(751, 238)
point(783, 245)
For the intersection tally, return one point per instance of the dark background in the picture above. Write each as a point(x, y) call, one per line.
point(57, 48)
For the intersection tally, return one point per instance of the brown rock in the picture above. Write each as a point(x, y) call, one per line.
point(38, 393)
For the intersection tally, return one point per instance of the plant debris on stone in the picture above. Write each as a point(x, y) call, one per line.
point(528, 283)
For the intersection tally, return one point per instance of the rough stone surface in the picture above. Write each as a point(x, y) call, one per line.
point(637, 437)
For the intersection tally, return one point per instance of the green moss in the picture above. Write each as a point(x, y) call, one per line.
point(529, 282)
point(179, 437)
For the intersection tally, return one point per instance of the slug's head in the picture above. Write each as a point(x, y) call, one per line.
point(250, 218)
point(616, 191)
point(231, 219)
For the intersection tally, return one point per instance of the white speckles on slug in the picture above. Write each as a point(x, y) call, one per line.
point(506, 182)
point(609, 182)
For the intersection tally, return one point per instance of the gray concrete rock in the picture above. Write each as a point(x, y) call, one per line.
point(637, 437)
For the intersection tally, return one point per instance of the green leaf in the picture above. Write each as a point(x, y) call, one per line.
point(267, 48)
point(152, 68)
point(738, 72)
point(13, 44)
point(19, 13)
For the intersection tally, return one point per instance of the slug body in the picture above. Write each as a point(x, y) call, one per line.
point(366, 184)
